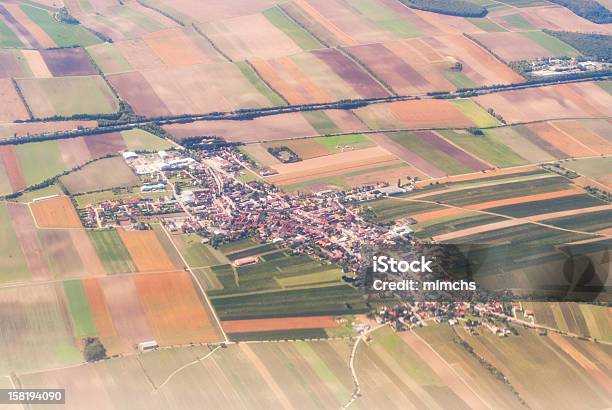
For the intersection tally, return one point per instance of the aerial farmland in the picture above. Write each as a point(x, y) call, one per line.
point(191, 194)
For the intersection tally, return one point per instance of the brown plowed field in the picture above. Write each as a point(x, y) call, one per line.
point(104, 144)
point(173, 309)
point(554, 136)
point(428, 113)
point(10, 65)
point(146, 251)
point(102, 317)
point(270, 128)
point(91, 262)
point(28, 239)
point(56, 212)
point(139, 55)
point(331, 165)
point(135, 89)
point(12, 106)
point(126, 312)
point(560, 18)
point(350, 72)
point(585, 135)
point(74, 152)
point(289, 81)
point(287, 323)
point(12, 167)
point(313, 12)
point(174, 48)
point(68, 61)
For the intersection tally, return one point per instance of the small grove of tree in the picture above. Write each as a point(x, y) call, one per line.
point(64, 16)
point(94, 349)
point(449, 7)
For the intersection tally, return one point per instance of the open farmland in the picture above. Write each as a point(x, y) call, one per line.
point(67, 96)
point(146, 251)
point(105, 173)
point(56, 212)
point(12, 107)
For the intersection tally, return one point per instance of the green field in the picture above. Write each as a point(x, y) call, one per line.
point(39, 161)
point(352, 141)
point(426, 151)
point(321, 122)
point(12, 264)
point(588, 222)
point(459, 80)
point(485, 147)
point(606, 85)
point(475, 112)
point(68, 96)
point(108, 58)
point(486, 25)
point(548, 206)
point(294, 334)
point(595, 168)
point(196, 253)
point(259, 84)
point(64, 35)
point(518, 21)
point(8, 39)
point(392, 209)
point(300, 36)
point(252, 251)
point(141, 140)
point(557, 47)
point(112, 252)
point(454, 223)
point(386, 18)
point(83, 324)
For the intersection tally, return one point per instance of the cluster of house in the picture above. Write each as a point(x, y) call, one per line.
point(554, 66)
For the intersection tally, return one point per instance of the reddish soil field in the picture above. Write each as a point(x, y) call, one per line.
point(174, 48)
point(441, 144)
point(288, 80)
point(74, 152)
point(28, 238)
point(68, 61)
point(134, 88)
point(581, 133)
point(81, 242)
point(561, 140)
point(126, 312)
point(428, 113)
point(25, 128)
point(146, 251)
point(399, 75)
point(12, 106)
point(350, 72)
point(287, 323)
point(319, 17)
point(139, 55)
point(104, 144)
point(101, 316)
point(269, 128)
point(12, 167)
point(56, 212)
point(173, 309)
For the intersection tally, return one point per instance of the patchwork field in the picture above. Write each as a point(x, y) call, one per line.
point(105, 173)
